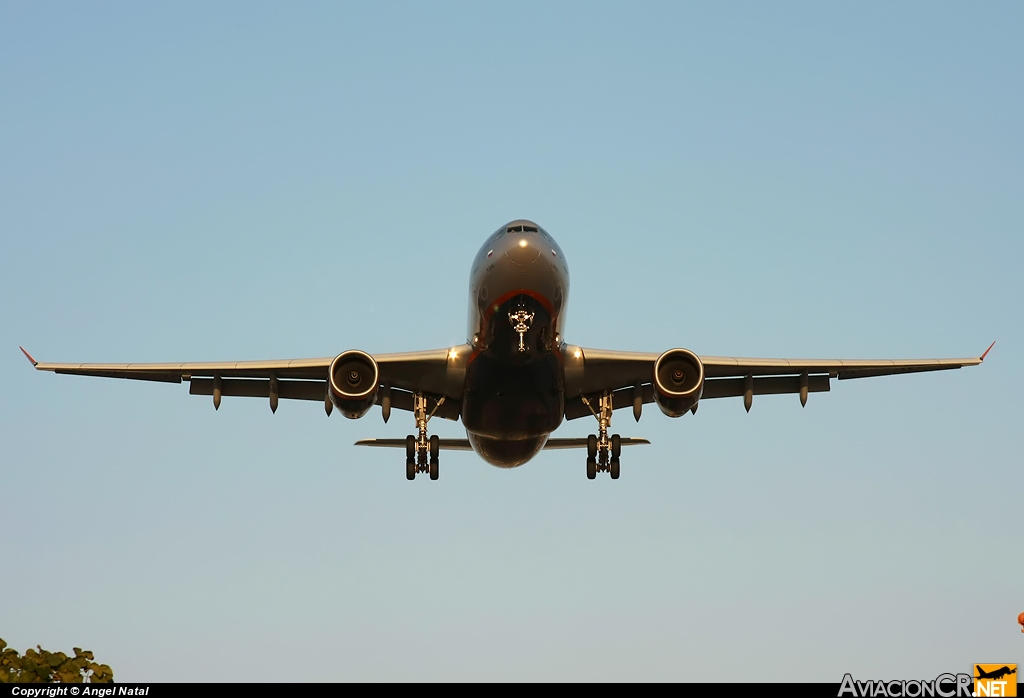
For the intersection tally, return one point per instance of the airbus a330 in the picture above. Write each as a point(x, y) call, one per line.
point(516, 379)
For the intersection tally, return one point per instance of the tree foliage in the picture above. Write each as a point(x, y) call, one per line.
point(39, 666)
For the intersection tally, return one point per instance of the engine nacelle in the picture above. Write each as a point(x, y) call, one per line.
point(353, 380)
point(678, 381)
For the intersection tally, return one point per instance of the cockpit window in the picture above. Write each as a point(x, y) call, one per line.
point(521, 229)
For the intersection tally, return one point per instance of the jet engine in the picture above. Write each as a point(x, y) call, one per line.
point(353, 379)
point(678, 381)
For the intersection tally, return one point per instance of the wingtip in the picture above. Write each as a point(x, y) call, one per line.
point(987, 350)
point(28, 356)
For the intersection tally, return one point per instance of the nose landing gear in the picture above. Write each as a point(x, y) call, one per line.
point(603, 452)
point(422, 453)
point(521, 320)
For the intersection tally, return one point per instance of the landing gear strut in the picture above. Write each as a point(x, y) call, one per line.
point(421, 453)
point(603, 452)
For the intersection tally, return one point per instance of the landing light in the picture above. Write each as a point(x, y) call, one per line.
point(522, 243)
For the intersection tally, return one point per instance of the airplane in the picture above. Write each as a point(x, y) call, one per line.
point(516, 379)
point(995, 674)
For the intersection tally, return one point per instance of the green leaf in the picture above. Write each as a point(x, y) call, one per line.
point(42, 666)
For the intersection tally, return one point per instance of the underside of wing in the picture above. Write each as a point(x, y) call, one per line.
point(401, 374)
point(309, 369)
point(630, 376)
point(726, 366)
point(438, 374)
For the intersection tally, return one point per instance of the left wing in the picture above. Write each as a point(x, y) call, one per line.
point(630, 374)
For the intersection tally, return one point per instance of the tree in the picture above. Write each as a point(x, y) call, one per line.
point(39, 666)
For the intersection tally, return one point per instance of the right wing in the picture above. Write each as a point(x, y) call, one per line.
point(297, 379)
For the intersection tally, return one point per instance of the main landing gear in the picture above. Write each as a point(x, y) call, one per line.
point(603, 452)
point(421, 454)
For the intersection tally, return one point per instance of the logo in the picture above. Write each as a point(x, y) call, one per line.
point(995, 680)
point(1020, 619)
point(989, 681)
point(943, 686)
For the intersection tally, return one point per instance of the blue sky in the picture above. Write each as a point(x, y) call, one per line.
point(245, 181)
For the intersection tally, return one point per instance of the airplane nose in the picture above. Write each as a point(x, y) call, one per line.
point(522, 250)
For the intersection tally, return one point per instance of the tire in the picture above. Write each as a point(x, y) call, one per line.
point(592, 446)
point(434, 468)
point(613, 468)
point(435, 447)
point(591, 468)
point(616, 445)
point(410, 469)
point(410, 448)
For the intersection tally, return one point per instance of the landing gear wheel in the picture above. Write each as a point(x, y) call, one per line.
point(616, 446)
point(591, 468)
point(434, 468)
point(592, 446)
point(613, 468)
point(435, 448)
point(410, 457)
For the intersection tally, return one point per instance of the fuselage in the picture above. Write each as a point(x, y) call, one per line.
point(514, 392)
